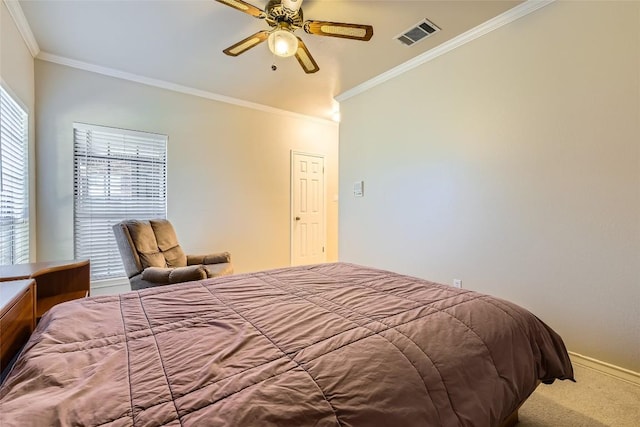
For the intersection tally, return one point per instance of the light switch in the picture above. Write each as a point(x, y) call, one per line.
point(358, 189)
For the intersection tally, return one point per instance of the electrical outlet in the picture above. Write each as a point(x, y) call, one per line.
point(457, 283)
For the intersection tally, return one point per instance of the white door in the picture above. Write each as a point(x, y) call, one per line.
point(307, 209)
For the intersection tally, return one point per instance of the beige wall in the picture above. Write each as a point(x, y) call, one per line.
point(512, 163)
point(228, 166)
point(17, 74)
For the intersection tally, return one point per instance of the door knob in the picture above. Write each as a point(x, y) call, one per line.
point(297, 218)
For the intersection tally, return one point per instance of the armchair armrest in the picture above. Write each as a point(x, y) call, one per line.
point(174, 275)
point(217, 258)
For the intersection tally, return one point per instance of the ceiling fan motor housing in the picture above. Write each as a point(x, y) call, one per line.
point(278, 13)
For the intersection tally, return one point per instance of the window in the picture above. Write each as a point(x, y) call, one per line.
point(118, 174)
point(14, 181)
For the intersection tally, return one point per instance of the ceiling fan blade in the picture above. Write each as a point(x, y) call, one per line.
point(305, 59)
point(246, 44)
point(245, 7)
point(338, 29)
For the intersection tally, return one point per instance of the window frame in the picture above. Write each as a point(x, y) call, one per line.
point(123, 173)
point(20, 228)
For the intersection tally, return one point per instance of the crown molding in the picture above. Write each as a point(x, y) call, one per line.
point(162, 84)
point(501, 20)
point(15, 10)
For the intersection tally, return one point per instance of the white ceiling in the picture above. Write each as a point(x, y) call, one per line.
point(181, 42)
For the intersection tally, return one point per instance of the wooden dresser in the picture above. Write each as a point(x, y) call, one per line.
point(56, 281)
point(17, 317)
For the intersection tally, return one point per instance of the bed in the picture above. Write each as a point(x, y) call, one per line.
point(324, 345)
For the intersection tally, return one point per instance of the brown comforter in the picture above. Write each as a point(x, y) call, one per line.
point(326, 345)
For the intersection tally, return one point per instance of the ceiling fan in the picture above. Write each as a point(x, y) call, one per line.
point(285, 17)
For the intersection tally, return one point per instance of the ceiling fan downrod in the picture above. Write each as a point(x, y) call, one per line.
point(292, 5)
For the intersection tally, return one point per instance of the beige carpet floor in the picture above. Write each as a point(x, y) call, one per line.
point(594, 400)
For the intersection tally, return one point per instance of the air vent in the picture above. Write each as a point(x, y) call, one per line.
point(420, 31)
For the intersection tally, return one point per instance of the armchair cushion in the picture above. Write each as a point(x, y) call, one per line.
point(168, 243)
point(146, 245)
point(217, 258)
point(174, 275)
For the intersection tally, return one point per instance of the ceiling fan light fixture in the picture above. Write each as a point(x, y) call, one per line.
point(283, 43)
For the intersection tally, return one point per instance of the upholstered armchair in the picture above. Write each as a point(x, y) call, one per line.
point(152, 256)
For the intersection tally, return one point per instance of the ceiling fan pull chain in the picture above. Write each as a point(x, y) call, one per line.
point(274, 67)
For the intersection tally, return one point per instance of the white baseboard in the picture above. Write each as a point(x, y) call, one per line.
point(606, 368)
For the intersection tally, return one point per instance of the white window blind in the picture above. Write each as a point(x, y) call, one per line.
point(14, 181)
point(118, 174)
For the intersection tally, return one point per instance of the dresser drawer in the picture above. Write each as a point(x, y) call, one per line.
point(17, 318)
